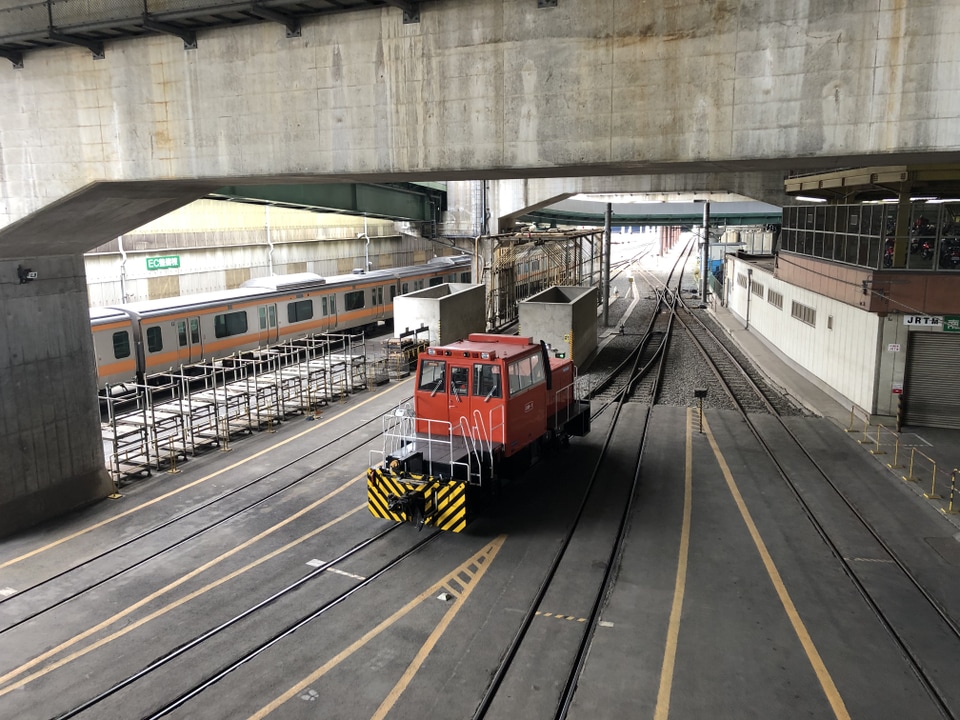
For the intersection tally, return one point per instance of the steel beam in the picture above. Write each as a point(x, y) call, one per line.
point(92, 45)
point(189, 37)
point(15, 57)
point(379, 201)
point(289, 21)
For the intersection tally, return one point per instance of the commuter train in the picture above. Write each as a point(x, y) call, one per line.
point(484, 410)
point(134, 340)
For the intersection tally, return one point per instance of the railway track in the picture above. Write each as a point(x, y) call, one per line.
point(31, 602)
point(230, 664)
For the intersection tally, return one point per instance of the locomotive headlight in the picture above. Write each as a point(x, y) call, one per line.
point(484, 356)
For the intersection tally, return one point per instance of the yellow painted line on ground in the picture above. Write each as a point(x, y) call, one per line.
point(673, 627)
point(167, 588)
point(481, 560)
point(118, 516)
point(823, 675)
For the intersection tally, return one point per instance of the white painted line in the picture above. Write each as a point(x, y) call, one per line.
point(605, 623)
point(318, 563)
point(7, 591)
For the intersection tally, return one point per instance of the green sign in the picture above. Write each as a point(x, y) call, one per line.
point(166, 262)
point(951, 323)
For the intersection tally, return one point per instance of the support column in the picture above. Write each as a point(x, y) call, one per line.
point(705, 263)
point(49, 417)
point(607, 242)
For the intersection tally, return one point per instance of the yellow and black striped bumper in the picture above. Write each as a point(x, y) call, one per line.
point(418, 499)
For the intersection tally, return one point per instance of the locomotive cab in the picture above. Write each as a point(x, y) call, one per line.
point(484, 409)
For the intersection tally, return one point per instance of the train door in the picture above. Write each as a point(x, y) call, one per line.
point(458, 399)
point(189, 346)
point(269, 332)
point(379, 308)
point(330, 303)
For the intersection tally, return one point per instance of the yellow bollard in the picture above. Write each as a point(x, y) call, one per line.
point(850, 429)
point(949, 510)
point(225, 445)
point(866, 425)
point(172, 470)
point(910, 477)
point(896, 455)
point(933, 495)
point(877, 450)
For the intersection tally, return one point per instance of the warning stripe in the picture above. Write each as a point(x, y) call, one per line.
point(450, 513)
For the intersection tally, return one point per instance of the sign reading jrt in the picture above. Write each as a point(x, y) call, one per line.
point(923, 320)
point(166, 262)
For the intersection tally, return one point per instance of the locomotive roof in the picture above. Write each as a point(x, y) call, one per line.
point(505, 346)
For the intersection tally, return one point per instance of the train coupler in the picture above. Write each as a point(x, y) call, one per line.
point(417, 499)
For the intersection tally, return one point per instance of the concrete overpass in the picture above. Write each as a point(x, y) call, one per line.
point(543, 99)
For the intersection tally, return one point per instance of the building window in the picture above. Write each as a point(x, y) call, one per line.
point(353, 300)
point(154, 339)
point(829, 322)
point(775, 299)
point(121, 344)
point(228, 324)
point(299, 311)
point(804, 314)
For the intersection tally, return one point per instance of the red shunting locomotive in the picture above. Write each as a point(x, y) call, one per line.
point(485, 409)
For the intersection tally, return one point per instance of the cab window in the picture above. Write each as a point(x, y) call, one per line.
point(524, 373)
point(459, 380)
point(432, 375)
point(486, 381)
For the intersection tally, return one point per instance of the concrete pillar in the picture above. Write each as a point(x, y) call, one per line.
point(50, 445)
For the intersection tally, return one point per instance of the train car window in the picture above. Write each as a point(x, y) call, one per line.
point(373, 297)
point(465, 277)
point(262, 311)
point(228, 324)
point(393, 292)
point(353, 300)
point(195, 330)
point(432, 376)
point(121, 344)
point(459, 380)
point(324, 305)
point(436, 281)
point(181, 333)
point(333, 304)
point(486, 381)
point(154, 339)
point(300, 311)
point(405, 288)
point(525, 372)
point(536, 368)
point(379, 296)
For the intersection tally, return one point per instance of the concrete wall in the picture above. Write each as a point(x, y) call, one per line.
point(222, 244)
point(52, 457)
point(842, 360)
point(494, 88)
point(563, 317)
point(451, 311)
